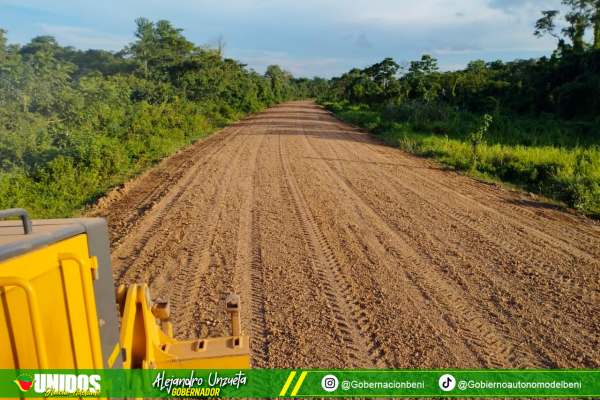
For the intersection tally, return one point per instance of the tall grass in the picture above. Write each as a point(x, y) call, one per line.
point(507, 129)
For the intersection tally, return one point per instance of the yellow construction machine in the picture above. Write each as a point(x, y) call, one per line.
point(58, 307)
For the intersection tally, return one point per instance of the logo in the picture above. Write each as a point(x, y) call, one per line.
point(329, 383)
point(24, 382)
point(447, 382)
point(61, 384)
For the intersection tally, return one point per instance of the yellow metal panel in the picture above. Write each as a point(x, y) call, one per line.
point(55, 326)
point(87, 270)
point(233, 362)
point(114, 355)
point(62, 308)
point(128, 324)
point(73, 293)
point(34, 315)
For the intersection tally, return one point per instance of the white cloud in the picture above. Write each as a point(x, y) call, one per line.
point(514, 6)
point(259, 60)
point(85, 38)
point(449, 50)
point(311, 36)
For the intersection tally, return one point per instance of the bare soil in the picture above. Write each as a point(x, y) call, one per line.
point(351, 254)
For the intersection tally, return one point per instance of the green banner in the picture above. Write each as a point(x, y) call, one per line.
point(262, 383)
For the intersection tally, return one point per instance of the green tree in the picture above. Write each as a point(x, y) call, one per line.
point(276, 76)
point(595, 20)
point(582, 15)
point(142, 48)
point(47, 44)
point(3, 40)
point(73, 123)
point(579, 19)
point(383, 75)
point(422, 79)
point(546, 26)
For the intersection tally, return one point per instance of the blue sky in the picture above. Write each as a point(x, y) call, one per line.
point(306, 37)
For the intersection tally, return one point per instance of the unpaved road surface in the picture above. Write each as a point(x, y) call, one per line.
point(351, 254)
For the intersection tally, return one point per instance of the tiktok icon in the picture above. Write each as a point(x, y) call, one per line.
point(447, 382)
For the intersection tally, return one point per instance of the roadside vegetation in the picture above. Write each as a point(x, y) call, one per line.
point(534, 123)
point(74, 123)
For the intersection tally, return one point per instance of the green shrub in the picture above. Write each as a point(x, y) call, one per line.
point(74, 123)
point(583, 194)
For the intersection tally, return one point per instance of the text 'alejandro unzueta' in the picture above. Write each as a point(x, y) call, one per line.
point(214, 380)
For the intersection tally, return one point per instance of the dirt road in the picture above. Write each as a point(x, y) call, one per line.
point(347, 253)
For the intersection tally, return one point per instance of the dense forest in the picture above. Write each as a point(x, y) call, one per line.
point(74, 123)
point(535, 123)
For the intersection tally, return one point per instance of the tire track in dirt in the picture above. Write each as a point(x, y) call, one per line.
point(557, 243)
point(449, 212)
point(195, 281)
point(483, 338)
point(497, 198)
point(124, 209)
point(170, 215)
point(525, 255)
point(258, 325)
point(468, 221)
point(376, 248)
point(148, 244)
point(248, 263)
point(294, 307)
point(348, 253)
point(502, 282)
point(360, 347)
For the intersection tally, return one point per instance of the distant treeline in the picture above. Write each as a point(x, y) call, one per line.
point(73, 123)
point(544, 133)
point(566, 85)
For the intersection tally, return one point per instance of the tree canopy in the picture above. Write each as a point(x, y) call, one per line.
point(86, 119)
